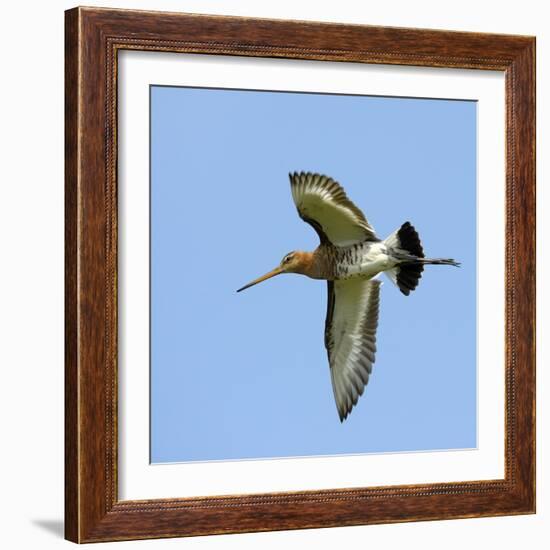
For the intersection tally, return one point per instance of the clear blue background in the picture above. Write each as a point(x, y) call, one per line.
point(246, 375)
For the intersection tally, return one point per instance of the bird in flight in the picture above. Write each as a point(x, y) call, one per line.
point(349, 257)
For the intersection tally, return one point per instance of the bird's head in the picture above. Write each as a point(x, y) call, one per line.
point(293, 262)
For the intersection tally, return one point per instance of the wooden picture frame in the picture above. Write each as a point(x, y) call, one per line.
point(93, 511)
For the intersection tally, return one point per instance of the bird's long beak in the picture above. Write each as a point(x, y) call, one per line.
point(276, 271)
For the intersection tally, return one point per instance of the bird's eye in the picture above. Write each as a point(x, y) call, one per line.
point(287, 259)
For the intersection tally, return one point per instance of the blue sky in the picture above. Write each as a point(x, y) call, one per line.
point(245, 375)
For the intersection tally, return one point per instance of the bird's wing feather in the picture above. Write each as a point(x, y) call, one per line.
point(350, 338)
point(323, 204)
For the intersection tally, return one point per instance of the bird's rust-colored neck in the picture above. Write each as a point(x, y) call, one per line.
point(305, 263)
point(317, 264)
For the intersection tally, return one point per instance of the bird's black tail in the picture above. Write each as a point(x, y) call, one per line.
point(405, 243)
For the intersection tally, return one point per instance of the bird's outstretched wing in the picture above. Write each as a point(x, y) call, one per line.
point(323, 204)
point(350, 338)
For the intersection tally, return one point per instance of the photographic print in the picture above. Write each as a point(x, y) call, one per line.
point(374, 351)
point(299, 274)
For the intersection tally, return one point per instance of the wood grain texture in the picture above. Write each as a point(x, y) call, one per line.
point(71, 269)
point(93, 38)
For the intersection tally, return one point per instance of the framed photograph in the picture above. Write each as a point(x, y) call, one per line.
point(300, 275)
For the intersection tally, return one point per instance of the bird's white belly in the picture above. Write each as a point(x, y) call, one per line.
point(370, 263)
